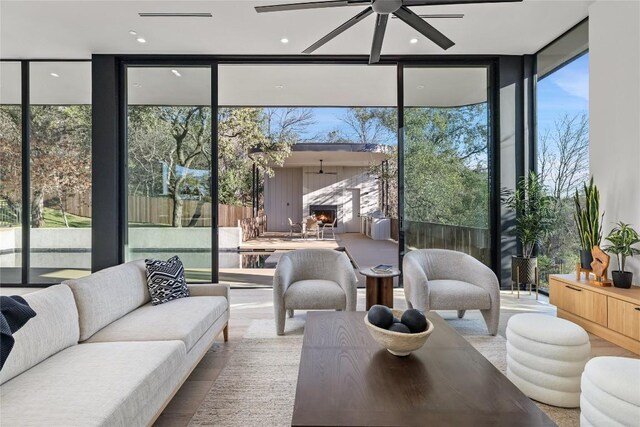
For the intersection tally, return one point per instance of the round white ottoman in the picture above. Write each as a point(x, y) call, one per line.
point(610, 392)
point(545, 358)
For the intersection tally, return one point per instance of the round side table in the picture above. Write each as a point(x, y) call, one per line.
point(379, 287)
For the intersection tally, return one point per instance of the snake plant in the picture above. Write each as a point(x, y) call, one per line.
point(587, 217)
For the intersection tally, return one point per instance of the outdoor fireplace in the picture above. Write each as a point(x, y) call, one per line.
point(325, 213)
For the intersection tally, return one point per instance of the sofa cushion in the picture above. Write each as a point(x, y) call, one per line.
point(314, 294)
point(184, 319)
point(108, 295)
point(165, 280)
point(54, 328)
point(103, 384)
point(457, 295)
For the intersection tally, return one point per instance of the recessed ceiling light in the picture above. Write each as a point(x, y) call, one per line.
point(141, 40)
point(133, 33)
point(176, 73)
point(279, 86)
point(420, 86)
point(54, 75)
point(413, 41)
point(284, 40)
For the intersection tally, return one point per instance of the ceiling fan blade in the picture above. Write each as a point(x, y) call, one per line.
point(342, 28)
point(445, 2)
point(378, 37)
point(301, 6)
point(423, 27)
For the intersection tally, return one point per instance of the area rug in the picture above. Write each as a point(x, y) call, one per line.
point(257, 386)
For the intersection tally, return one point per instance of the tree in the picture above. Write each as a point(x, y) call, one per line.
point(60, 156)
point(170, 147)
point(445, 160)
point(563, 153)
point(10, 159)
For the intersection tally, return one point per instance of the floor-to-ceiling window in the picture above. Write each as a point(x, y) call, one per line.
point(60, 163)
point(169, 198)
point(446, 160)
point(563, 142)
point(10, 173)
point(58, 169)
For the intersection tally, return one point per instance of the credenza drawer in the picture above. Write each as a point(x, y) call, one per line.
point(578, 301)
point(624, 317)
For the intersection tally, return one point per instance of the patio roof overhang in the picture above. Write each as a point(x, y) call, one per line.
point(334, 155)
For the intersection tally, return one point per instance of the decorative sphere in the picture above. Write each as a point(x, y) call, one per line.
point(396, 320)
point(400, 327)
point(380, 316)
point(415, 320)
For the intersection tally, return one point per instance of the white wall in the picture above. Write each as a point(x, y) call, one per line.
point(283, 198)
point(290, 192)
point(335, 190)
point(614, 111)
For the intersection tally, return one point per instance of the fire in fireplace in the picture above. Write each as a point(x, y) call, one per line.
point(325, 213)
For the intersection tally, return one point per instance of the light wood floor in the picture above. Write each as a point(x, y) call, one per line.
point(250, 304)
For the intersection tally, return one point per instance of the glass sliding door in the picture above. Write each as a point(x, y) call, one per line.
point(301, 145)
point(446, 160)
point(169, 200)
point(60, 150)
point(10, 173)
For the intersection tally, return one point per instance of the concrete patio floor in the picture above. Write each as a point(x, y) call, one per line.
point(363, 251)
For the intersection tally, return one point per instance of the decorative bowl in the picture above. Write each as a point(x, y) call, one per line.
point(398, 343)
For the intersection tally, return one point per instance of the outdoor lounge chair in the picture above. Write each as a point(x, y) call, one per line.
point(311, 227)
point(294, 226)
point(331, 227)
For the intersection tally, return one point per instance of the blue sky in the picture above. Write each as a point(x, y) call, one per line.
point(566, 91)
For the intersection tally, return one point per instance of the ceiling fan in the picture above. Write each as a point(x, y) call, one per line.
point(383, 8)
point(322, 172)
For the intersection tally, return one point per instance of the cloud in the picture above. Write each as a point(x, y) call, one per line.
point(575, 84)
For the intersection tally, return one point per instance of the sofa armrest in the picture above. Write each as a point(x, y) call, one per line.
point(209, 290)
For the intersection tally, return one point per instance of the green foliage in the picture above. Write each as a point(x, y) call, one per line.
point(587, 218)
point(532, 207)
point(623, 237)
point(445, 159)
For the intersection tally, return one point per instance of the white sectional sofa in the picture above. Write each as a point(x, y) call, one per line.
point(99, 354)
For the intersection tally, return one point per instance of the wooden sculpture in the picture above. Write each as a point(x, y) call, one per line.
point(599, 266)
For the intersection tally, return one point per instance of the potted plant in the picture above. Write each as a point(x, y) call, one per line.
point(589, 222)
point(622, 239)
point(532, 206)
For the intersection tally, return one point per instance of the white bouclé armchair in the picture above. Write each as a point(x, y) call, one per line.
point(439, 279)
point(313, 279)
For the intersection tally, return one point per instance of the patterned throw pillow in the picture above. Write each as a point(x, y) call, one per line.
point(166, 280)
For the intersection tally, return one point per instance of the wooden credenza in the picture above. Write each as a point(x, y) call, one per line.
point(611, 313)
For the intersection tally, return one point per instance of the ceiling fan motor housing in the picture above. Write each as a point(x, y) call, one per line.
point(385, 7)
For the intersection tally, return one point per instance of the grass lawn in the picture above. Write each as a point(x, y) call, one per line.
point(53, 219)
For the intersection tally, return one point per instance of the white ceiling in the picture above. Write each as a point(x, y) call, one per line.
point(255, 85)
point(76, 29)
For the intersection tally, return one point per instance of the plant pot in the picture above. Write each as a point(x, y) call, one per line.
point(622, 279)
point(527, 268)
point(586, 258)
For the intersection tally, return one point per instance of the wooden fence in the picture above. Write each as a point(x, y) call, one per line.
point(159, 211)
point(470, 240)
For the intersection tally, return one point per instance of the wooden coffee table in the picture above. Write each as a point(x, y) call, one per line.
point(346, 378)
